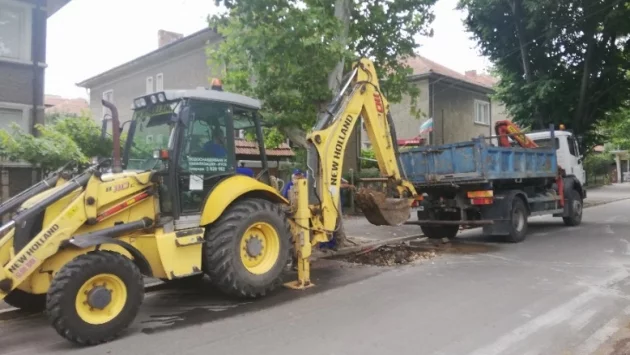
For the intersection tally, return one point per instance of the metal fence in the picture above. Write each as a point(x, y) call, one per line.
point(16, 177)
point(598, 179)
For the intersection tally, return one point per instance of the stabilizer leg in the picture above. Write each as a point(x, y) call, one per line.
point(302, 239)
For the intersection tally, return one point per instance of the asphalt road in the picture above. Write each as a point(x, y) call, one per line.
point(562, 291)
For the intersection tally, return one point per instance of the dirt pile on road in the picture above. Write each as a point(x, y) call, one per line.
point(390, 255)
point(409, 252)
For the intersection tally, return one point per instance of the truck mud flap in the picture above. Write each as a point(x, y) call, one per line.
point(382, 211)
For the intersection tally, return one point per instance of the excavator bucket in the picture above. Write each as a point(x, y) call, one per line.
point(381, 210)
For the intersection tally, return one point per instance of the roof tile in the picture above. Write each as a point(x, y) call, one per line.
point(245, 147)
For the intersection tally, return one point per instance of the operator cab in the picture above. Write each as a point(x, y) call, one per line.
point(567, 151)
point(188, 138)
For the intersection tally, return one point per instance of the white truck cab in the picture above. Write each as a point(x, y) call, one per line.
point(567, 151)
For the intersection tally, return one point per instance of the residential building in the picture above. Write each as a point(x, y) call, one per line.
point(178, 63)
point(23, 60)
point(65, 107)
point(459, 105)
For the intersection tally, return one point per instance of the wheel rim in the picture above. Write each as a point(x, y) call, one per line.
point(260, 248)
point(577, 208)
point(101, 299)
point(518, 220)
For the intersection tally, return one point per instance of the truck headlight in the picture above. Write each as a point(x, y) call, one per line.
point(161, 97)
point(153, 99)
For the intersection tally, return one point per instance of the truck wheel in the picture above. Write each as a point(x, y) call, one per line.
point(575, 208)
point(439, 232)
point(94, 297)
point(247, 249)
point(25, 301)
point(518, 222)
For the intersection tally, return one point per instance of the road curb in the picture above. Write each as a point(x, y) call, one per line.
point(594, 204)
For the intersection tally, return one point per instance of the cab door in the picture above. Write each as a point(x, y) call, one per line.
point(206, 153)
point(577, 168)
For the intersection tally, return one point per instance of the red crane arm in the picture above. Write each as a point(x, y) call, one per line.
point(505, 129)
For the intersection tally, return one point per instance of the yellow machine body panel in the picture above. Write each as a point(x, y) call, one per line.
point(230, 189)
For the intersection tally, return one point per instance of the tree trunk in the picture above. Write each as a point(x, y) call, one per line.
point(520, 32)
point(580, 116)
point(342, 13)
point(522, 41)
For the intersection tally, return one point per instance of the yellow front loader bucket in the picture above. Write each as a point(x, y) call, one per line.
point(381, 210)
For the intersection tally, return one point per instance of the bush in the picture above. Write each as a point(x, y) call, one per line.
point(598, 164)
point(65, 139)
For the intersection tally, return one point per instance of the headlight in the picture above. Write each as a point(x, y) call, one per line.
point(153, 99)
point(141, 102)
point(161, 97)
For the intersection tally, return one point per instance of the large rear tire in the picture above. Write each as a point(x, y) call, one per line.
point(95, 297)
point(518, 222)
point(25, 301)
point(247, 249)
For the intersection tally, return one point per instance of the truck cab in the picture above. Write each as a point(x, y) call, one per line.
point(567, 151)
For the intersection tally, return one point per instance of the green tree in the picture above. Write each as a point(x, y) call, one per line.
point(368, 154)
point(560, 61)
point(65, 139)
point(616, 129)
point(290, 54)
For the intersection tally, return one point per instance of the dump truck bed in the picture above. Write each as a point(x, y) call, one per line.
point(474, 162)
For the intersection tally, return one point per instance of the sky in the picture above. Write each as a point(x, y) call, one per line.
point(88, 37)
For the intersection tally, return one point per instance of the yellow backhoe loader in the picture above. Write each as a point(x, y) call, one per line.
point(79, 243)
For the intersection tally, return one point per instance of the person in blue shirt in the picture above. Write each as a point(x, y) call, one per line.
point(288, 185)
point(216, 147)
point(245, 170)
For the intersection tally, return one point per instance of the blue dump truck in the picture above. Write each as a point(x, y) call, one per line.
point(477, 184)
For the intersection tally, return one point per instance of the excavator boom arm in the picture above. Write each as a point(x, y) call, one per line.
point(361, 97)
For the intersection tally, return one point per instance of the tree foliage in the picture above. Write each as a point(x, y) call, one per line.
point(616, 128)
point(283, 52)
point(65, 139)
point(560, 61)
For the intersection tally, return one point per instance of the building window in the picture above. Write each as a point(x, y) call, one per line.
point(9, 115)
point(15, 31)
point(149, 85)
point(482, 112)
point(108, 96)
point(159, 82)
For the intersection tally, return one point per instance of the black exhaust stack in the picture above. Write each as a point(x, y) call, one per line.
point(117, 163)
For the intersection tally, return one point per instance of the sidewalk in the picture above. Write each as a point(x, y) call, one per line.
point(607, 194)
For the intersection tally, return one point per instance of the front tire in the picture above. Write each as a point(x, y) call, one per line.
point(95, 297)
point(247, 249)
point(574, 199)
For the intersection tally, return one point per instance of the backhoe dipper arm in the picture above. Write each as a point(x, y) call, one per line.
point(315, 200)
point(359, 97)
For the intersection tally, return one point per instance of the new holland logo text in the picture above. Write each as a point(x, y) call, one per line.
point(338, 153)
point(25, 260)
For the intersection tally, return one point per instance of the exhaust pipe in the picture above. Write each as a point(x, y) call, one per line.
point(117, 163)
